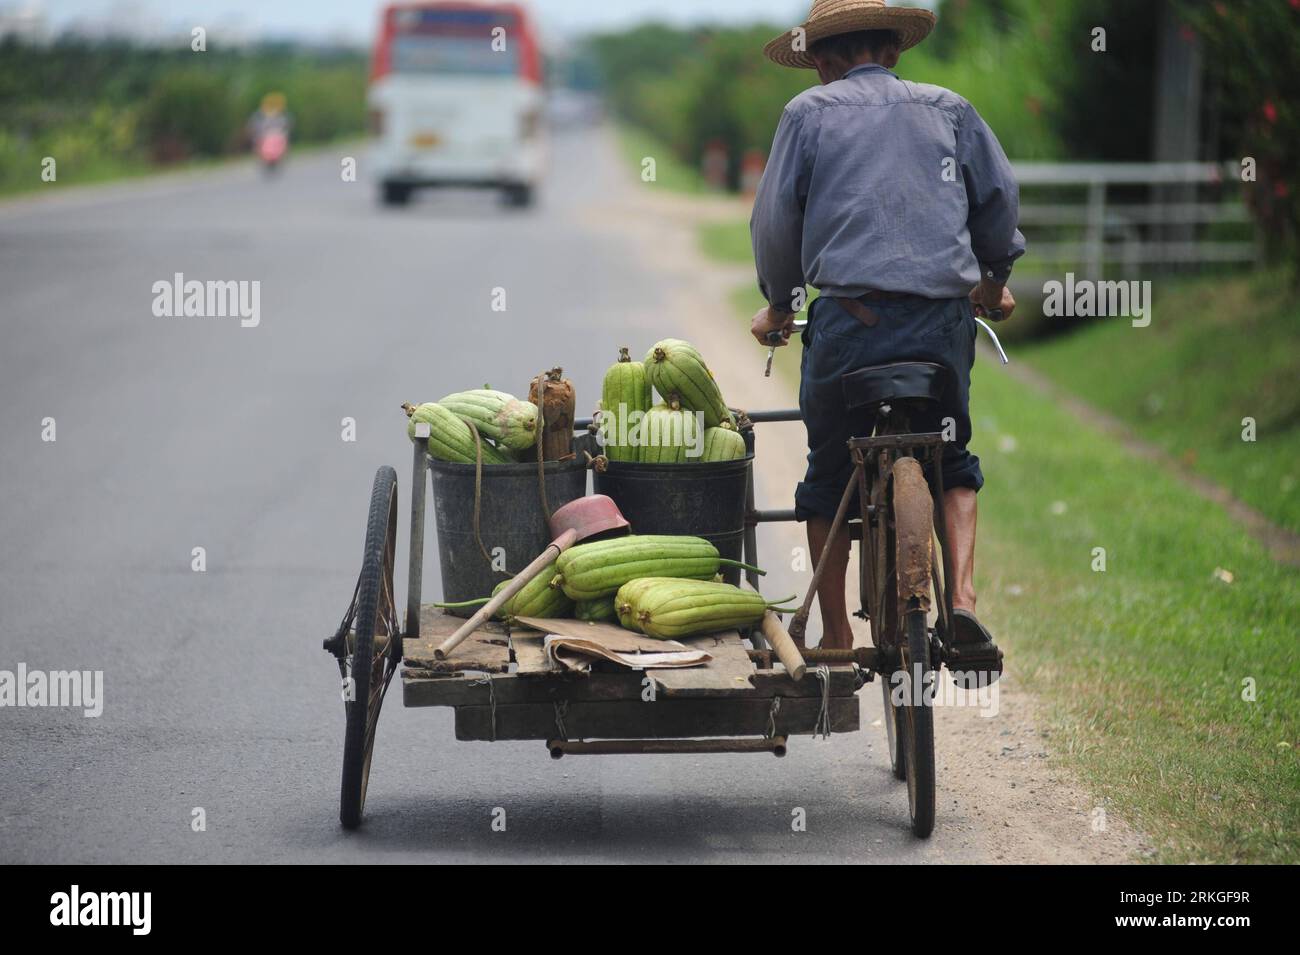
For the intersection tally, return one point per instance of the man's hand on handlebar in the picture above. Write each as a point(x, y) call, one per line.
point(995, 300)
point(769, 320)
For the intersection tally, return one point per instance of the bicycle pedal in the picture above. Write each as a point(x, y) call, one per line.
point(977, 666)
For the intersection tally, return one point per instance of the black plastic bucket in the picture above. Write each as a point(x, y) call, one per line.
point(510, 518)
point(702, 500)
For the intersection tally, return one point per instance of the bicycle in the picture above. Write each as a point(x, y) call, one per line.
point(902, 576)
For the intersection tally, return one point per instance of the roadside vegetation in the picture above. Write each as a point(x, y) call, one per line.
point(671, 173)
point(1218, 351)
point(108, 110)
point(1028, 67)
point(1172, 676)
point(691, 87)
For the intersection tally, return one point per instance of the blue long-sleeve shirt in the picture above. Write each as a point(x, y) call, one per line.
point(876, 183)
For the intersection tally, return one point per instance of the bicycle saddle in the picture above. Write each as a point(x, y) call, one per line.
point(921, 381)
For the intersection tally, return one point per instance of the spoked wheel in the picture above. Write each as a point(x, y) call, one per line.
point(895, 731)
point(917, 723)
point(879, 589)
point(913, 513)
point(371, 646)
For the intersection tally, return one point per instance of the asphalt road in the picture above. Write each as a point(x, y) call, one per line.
point(177, 433)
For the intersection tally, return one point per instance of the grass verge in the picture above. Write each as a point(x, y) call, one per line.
point(99, 172)
point(110, 169)
point(1217, 352)
point(1149, 666)
point(670, 172)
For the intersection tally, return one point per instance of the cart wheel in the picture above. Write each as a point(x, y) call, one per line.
point(375, 646)
point(917, 725)
point(895, 731)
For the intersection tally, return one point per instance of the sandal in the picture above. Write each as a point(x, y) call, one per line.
point(974, 654)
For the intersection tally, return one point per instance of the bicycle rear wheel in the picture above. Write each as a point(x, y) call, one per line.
point(895, 731)
point(918, 724)
point(913, 519)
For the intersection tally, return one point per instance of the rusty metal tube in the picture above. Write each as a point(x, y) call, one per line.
point(865, 657)
point(800, 622)
point(415, 558)
point(559, 748)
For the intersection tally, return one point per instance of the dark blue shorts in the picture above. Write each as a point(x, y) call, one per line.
point(835, 343)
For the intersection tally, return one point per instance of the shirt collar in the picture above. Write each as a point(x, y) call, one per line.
point(868, 68)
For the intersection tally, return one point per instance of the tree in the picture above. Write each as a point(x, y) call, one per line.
point(1253, 57)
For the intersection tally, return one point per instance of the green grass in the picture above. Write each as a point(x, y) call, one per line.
point(93, 172)
point(1217, 351)
point(726, 242)
point(113, 169)
point(671, 174)
point(1142, 666)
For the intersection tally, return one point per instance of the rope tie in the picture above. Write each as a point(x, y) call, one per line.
point(561, 708)
point(492, 701)
point(771, 717)
point(541, 470)
point(541, 458)
point(478, 492)
point(823, 726)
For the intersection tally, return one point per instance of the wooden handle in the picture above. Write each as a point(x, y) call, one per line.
point(785, 648)
point(520, 581)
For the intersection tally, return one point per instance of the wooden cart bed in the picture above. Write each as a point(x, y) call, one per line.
point(502, 688)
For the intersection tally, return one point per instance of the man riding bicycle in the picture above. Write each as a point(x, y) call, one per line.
point(894, 200)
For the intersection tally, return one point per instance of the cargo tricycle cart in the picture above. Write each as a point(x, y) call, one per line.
point(759, 687)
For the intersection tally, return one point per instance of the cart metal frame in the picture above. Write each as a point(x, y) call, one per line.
point(501, 687)
point(606, 710)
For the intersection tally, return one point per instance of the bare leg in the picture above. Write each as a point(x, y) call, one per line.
point(959, 511)
point(836, 632)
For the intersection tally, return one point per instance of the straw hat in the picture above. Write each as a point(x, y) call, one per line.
point(829, 17)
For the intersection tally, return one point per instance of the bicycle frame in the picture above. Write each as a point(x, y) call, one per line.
point(888, 441)
point(874, 458)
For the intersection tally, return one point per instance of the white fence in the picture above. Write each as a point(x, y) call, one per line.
point(1158, 233)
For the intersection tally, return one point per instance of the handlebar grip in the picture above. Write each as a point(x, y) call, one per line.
point(992, 314)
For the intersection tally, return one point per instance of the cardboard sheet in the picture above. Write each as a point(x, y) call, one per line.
point(575, 644)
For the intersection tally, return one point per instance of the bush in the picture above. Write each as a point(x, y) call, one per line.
point(102, 109)
point(690, 87)
point(188, 114)
point(327, 103)
point(1027, 66)
point(1251, 54)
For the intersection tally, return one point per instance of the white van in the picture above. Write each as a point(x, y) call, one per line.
point(456, 100)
